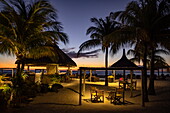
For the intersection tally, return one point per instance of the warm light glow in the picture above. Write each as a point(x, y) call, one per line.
point(7, 65)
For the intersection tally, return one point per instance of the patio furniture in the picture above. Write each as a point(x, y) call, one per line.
point(116, 96)
point(113, 90)
point(96, 95)
point(94, 79)
point(133, 85)
point(123, 84)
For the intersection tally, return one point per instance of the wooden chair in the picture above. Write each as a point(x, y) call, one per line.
point(133, 85)
point(122, 84)
point(96, 95)
point(117, 96)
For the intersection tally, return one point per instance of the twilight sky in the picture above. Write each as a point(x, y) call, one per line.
point(75, 17)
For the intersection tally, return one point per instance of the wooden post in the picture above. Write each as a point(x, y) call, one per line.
point(131, 79)
point(114, 75)
point(80, 88)
point(124, 85)
point(84, 79)
point(162, 71)
point(124, 75)
point(57, 71)
point(90, 75)
point(28, 68)
point(12, 72)
point(142, 89)
point(158, 74)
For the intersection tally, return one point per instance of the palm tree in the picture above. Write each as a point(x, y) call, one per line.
point(26, 28)
point(159, 33)
point(137, 54)
point(147, 23)
point(98, 34)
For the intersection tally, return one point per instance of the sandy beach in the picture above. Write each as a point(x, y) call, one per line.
point(67, 100)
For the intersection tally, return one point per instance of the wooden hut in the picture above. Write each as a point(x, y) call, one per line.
point(51, 63)
point(124, 64)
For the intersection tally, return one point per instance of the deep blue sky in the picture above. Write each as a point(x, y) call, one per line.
point(75, 16)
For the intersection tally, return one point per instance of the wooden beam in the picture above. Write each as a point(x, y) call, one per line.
point(80, 88)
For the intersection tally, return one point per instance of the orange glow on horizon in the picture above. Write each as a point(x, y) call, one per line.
point(8, 65)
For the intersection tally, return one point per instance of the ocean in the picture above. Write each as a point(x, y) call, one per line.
point(98, 72)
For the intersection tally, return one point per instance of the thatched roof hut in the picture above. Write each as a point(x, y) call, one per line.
point(52, 63)
point(124, 63)
point(61, 59)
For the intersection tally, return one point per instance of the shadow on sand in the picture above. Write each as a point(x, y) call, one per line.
point(74, 90)
point(59, 104)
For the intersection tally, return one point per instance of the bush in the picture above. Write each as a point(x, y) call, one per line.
point(55, 87)
point(5, 93)
point(44, 88)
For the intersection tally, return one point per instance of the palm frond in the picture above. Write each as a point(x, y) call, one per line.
point(89, 44)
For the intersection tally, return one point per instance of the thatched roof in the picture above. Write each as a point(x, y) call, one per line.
point(124, 62)
point(160, 64)
point(61, 58)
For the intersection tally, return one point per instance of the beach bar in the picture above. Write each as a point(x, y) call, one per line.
point(122, 64)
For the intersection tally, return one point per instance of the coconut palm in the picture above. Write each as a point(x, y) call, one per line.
point(98, 34)
point(159, 33)
point(27, 27)
point(138, 57)
point(147, 19)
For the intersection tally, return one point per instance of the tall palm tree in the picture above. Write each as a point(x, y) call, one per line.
point(98, 34)
point(147, 23)
point(159, 32)
point(26, 27)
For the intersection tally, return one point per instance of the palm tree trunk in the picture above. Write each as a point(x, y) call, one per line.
point(151, 89)
point(106, 66)
point(22, 67)
point(18, 69)
point(144, 78)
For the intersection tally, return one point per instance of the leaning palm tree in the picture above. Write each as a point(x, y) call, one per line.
point(25, 30)
point(98, 34)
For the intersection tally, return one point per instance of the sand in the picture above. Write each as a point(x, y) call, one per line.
point(67, 100)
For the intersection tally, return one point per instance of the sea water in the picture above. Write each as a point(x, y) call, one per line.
point(97, 72)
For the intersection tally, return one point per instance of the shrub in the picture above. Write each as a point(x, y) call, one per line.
point(5, 93)
point(44, 88)
point(55, 87)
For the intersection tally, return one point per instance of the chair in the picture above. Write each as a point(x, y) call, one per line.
point(122, 84)
point(113, 90)
point(96, 95)
point(117, 96)
point(133, 85)
point(94, 79)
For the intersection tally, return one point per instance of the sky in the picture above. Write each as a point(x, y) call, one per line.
point(75, 18)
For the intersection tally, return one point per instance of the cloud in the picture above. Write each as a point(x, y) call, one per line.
point(73, 54)
point(67, 50)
